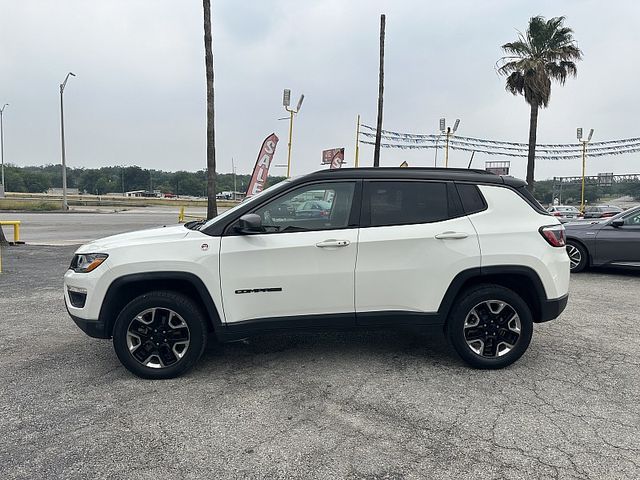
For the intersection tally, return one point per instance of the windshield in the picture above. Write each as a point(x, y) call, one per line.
point(248, 201)
point(624, 213)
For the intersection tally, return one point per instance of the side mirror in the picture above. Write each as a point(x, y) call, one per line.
point(618, 222)
point(250, 223)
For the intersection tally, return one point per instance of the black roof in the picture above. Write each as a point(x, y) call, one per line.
point(422, 173)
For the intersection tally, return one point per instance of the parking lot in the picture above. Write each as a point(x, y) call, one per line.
point(375, 405)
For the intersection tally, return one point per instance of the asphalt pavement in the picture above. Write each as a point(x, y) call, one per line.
point(375, 405)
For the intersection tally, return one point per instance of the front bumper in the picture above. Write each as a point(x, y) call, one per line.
point(552, 309)
point(93, 328)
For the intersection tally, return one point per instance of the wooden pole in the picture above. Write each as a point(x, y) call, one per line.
point(212, 206)
point(376, 151)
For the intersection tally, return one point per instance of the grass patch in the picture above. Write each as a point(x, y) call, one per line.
point(29, 205)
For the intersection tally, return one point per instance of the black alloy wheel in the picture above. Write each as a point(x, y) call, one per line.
point(490, 326)
point(160, 334)
point(158, 337)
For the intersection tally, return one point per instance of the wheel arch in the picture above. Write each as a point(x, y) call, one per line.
point(522, 280)
point(124, 289)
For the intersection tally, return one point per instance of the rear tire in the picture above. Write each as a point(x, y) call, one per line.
point(160, 334)
point(490, 326)
point(577, 255)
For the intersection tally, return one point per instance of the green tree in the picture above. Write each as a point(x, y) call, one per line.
point(546, 52)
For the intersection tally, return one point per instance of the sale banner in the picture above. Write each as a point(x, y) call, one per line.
point(263, 163)
point(333, 157)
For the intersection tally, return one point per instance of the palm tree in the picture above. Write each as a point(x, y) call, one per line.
point(546, 52)
point(212, 207)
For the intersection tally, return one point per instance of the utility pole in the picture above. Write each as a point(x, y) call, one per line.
point(233, 169)
point(65, 204)
point(4, 186)
point(286, 99)
point(584, 161)
point(376, 151)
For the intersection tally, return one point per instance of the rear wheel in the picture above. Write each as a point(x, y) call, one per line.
point(160, 334)
point(490, 326)
point(577, 255)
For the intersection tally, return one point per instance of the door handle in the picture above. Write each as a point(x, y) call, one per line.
point(333, 243)
point(451, 235)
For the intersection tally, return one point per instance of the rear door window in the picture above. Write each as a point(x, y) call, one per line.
point(407, 202)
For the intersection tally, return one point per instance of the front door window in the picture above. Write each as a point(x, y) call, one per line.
point(324, 206)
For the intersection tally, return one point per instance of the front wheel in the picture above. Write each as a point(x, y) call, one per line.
point(160, 335)
point(490, 327)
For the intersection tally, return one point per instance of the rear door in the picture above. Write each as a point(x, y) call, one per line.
point(301, 266)
point(414, 240)
point(620, 244)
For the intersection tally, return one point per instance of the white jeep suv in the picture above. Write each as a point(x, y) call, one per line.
point(465, 250)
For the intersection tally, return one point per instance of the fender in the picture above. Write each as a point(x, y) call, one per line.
point(124, 289)
point(537, 299)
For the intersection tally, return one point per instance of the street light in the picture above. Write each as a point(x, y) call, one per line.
point(448, 132)
point(286, 99)
point(4, 188)
point(65, 205)
point(584, 160)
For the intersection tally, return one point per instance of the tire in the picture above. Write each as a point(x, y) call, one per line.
point(509, 326)
point(180, 336)
point(577, 255)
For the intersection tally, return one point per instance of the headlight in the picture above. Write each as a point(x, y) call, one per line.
point(86, 262)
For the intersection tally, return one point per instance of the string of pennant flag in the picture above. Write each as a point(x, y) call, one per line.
point(549, 151)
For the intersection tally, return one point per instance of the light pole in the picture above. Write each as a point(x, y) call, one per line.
point(584, 160)
point(448, 131)
point(286, 99)
point(4, 188)
point(65, 205)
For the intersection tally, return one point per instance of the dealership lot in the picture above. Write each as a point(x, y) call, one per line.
point(339, 405)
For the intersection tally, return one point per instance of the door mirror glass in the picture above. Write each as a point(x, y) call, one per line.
point(250, 223)
point(618, 222)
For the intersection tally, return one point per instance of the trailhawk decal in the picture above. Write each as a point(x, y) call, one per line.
point(259, 290)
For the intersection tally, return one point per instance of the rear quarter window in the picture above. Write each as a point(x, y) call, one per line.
point(472, 199)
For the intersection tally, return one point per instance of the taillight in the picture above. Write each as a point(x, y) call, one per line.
point(557, 214)
point(554, 235)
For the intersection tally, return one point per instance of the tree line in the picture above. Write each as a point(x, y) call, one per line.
point(99, 181)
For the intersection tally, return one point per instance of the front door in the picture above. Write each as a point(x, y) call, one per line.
point(620, 244)
point(301, 268)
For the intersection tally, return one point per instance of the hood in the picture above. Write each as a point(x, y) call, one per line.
point(153, 235)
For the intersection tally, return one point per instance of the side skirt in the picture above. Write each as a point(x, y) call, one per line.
point(328, 323)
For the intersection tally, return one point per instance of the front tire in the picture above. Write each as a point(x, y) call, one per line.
point(490, 327)
point(577, 256)
point(160, 335)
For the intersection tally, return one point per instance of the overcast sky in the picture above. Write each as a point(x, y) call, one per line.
point(139, 94)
